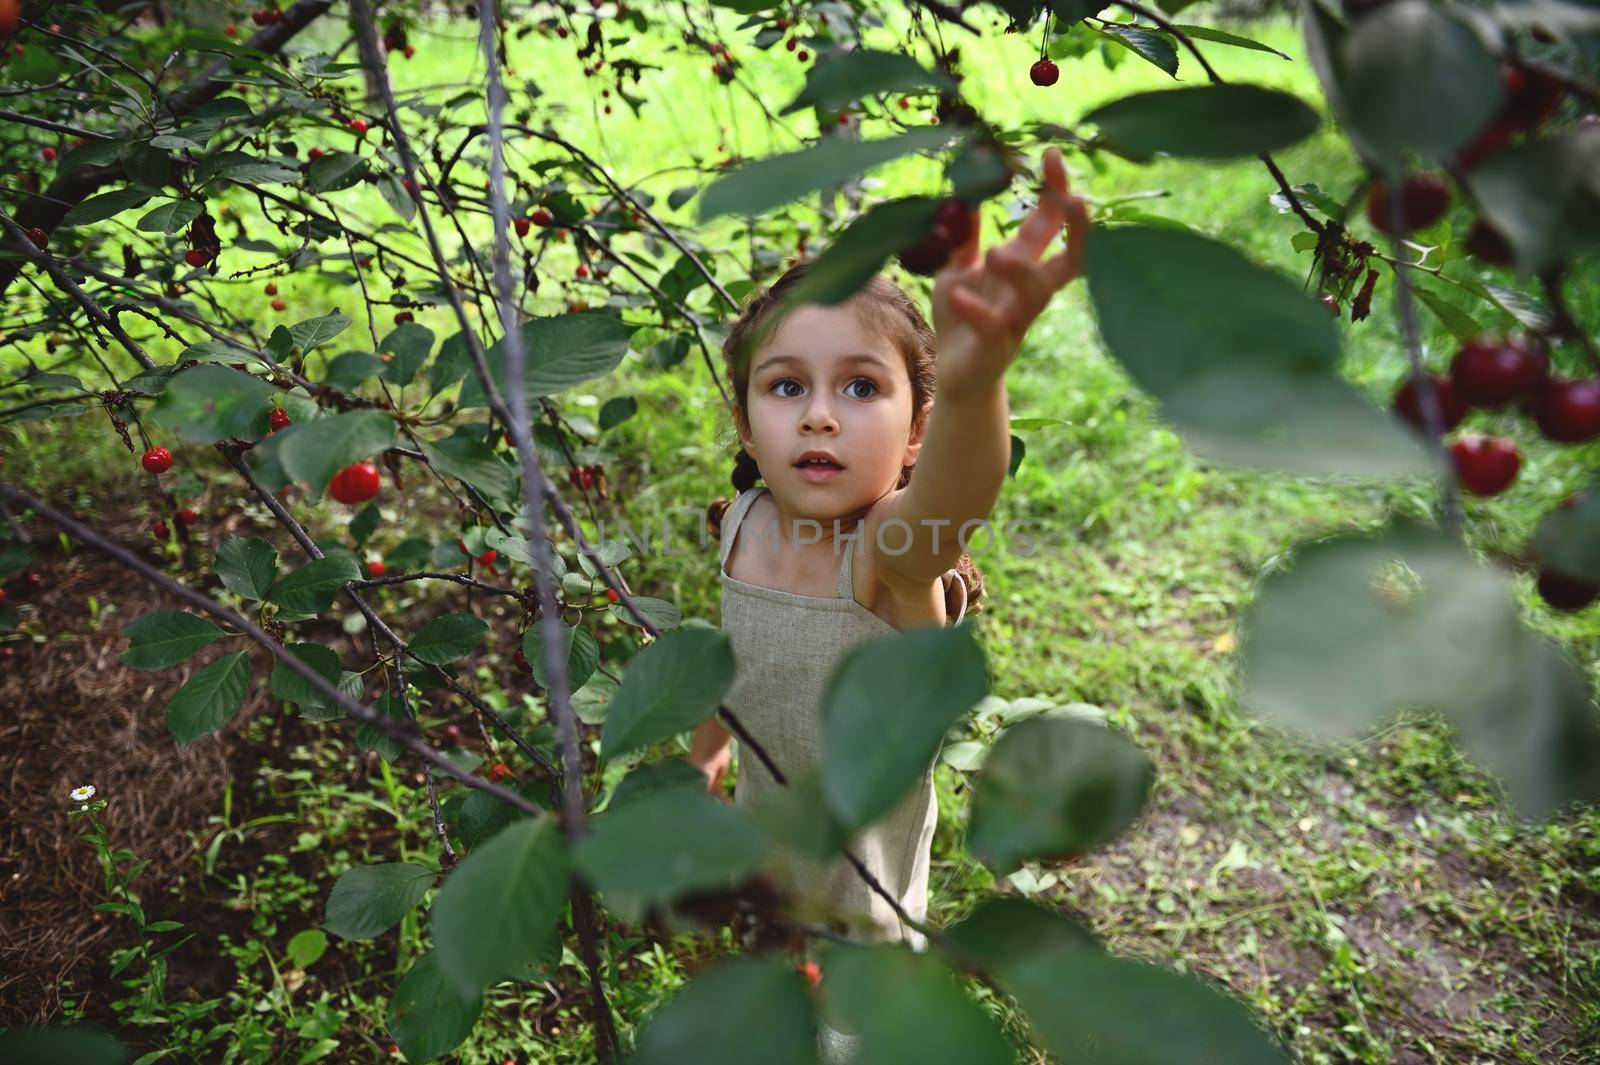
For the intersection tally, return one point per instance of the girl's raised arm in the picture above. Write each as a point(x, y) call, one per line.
point(982, 308)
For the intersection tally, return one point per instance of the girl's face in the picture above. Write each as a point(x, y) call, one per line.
point(825, 382)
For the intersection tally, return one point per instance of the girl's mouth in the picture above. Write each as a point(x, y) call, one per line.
point(818, 471)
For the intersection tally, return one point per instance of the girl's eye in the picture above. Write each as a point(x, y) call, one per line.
point(869, 383)
point(780, 382)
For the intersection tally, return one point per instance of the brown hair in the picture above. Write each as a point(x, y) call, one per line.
point(887, 307)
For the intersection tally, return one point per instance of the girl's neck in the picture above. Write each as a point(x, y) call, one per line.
point(799, 531)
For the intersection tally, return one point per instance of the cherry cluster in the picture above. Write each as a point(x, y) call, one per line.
point(1495, 372)
point(266, 16)
point(953, 225)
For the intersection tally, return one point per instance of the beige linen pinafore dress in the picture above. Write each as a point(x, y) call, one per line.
point(786, 646)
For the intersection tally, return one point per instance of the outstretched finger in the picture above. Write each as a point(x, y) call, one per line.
point(1065, 266)
point(1045, 220)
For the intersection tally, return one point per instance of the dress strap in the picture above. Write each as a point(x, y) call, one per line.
point(844, 587)
point(734, 516)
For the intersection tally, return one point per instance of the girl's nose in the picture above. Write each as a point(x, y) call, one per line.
point(818, 419)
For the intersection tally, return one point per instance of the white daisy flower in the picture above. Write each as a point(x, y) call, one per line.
point(83, 794)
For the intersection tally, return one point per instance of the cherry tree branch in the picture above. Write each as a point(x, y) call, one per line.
point(362, 713)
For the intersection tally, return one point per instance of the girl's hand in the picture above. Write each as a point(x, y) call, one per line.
point(714, 765)
point(982, 308)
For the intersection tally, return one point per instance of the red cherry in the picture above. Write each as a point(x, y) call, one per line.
point(611, 594)
point(953, 225)
point(811, 971)
point(1494, 137)
point(314, 154)
point(791, 44)
point(229, 30)
point(403, 317)
point(280, 304)
point(488, 557)
point(39, 237)
point(270, 289)
point(157, 460)
point(278, 419)
point(2, 595)
point(1044, 72)
point(521, 225)
point(522, 661)
point(35, 580)
point(375, 567)
point(357, 125)
point(1568, 411)
point(803, 55)
point(1424, 198)
point(499, 772)
point(196, 257)
point(582, 271)
point(452, 734)
point(160, 529)
point(1566, 593)
point(1532, 98)
point(48, 153)
point(461, 545)
point(409, 51)
point(1486, 465)
point(1485, 243)
point(356, 483)
point(1408, 405)
point(541, 218)
point(188, 516)
point(1491, 371)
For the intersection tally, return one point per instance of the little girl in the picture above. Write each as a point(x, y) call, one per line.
point(837, 406)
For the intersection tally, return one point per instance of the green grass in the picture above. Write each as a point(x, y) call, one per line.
point(1374, 902)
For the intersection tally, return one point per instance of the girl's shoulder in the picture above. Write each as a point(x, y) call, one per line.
point(942, 600)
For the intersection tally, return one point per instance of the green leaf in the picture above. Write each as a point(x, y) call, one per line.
point(60, 1046)
point(306, 947)
point(106, 205)
point(1207, 33)
point(465, 456)
point(617, 410)
point(670, 686)
point(844, 79)
point(859, 253)
point(1360, 627)
point(349, 370)
point(364, 523)
point(314, 451)
point(1052, 788)
point(94, 153)
point(650, 779)
point(311, 588)
point(1204, 122)
point(662, 614)
point(1005, 930)
point(767, 183)
point(396, 196)
point(798, 817)
point(480, 816)
point(733, 1006)
point(409, 344)
point(583, 654)
point(169, 217)
point(1543, 197)
point(1461, 324)
point(647, 853)
point(447, 638)
point(313, 332)
point(562, 351)
point(885, 710)
point(245, 169)
point(906, 1006)
point(1131, 1013)
point(1069, 12)
point(369, 738)
point(1412, 75)
point(166, 637)
point(247, 566)
point(1243, 361)
point(371, 899)
point(1568, 538)
point(428, 1016)
point(498, 906)
point(14, 557)
point(208, 402)
point(1156, 48)
point(291, 687)
point(340, 170)
point(209, 699)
